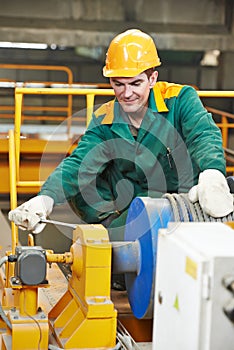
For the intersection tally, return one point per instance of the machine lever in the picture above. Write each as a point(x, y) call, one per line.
point(55, 222)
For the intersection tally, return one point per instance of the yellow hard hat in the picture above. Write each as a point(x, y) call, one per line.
point(129, 54)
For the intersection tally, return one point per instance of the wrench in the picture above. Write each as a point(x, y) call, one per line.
point(55, 222)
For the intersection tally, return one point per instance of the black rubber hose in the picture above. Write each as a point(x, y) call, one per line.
point(186, 211)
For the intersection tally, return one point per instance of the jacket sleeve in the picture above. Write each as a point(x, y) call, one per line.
point(201, 135)
point(78, 177)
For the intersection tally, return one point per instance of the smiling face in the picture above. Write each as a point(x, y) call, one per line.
point(133, 93)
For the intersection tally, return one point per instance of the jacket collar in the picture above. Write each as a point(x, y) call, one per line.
point(156, 100)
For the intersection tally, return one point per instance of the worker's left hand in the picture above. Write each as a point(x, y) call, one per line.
point(213, 193)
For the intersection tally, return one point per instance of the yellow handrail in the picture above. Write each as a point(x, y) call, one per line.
point(31, 68)
point(13, 187)
point(89, 93)
point(217, 93)
point(224, 125)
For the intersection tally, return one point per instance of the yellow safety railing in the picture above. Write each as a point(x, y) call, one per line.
point(7, 111)
point(42, 111)
point(14, 136)
point(224, 124)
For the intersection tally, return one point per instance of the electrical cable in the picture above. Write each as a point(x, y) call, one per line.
point(36, 322)
point(4, 317)
point(186, 211)
point(3, 260)
point(53, 347)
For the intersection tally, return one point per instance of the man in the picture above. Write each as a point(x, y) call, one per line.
point(153, 138)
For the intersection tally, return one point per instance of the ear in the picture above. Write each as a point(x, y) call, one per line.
point(153, 79)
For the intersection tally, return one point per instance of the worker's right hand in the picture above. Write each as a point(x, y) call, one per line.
point(28, 215)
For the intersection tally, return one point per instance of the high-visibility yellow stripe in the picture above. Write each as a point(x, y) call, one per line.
point(108, 110)
point(164, 90)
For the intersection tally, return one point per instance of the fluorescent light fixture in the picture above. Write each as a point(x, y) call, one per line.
point(11, 45)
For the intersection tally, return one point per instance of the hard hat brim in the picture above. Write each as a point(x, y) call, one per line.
point(125, 73)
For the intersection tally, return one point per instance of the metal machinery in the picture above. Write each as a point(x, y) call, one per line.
point(85, 316)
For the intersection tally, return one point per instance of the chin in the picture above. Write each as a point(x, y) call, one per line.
point(130, 109)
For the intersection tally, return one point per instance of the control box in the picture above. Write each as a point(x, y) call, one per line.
point(192, 300)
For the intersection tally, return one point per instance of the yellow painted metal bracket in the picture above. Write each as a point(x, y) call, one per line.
point(29, 324)
point(85, 316)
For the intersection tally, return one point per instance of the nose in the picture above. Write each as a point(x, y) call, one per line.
point(127, 91)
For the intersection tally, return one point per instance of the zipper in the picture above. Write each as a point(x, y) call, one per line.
point(169, 157)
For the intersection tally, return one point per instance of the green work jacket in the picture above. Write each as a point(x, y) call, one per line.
point(176, 141)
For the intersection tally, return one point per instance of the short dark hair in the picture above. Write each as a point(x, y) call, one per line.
point(149, 72)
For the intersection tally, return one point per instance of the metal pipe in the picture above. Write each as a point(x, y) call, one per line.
point(125, 257)
point(60, 223)
point(66, 258)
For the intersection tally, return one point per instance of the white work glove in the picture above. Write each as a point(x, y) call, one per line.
point(28, 215)
point(213, 193)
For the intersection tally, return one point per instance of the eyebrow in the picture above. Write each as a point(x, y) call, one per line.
point(133, 82)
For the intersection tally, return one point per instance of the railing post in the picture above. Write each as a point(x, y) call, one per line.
point(89, 107)
point(18, 113)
